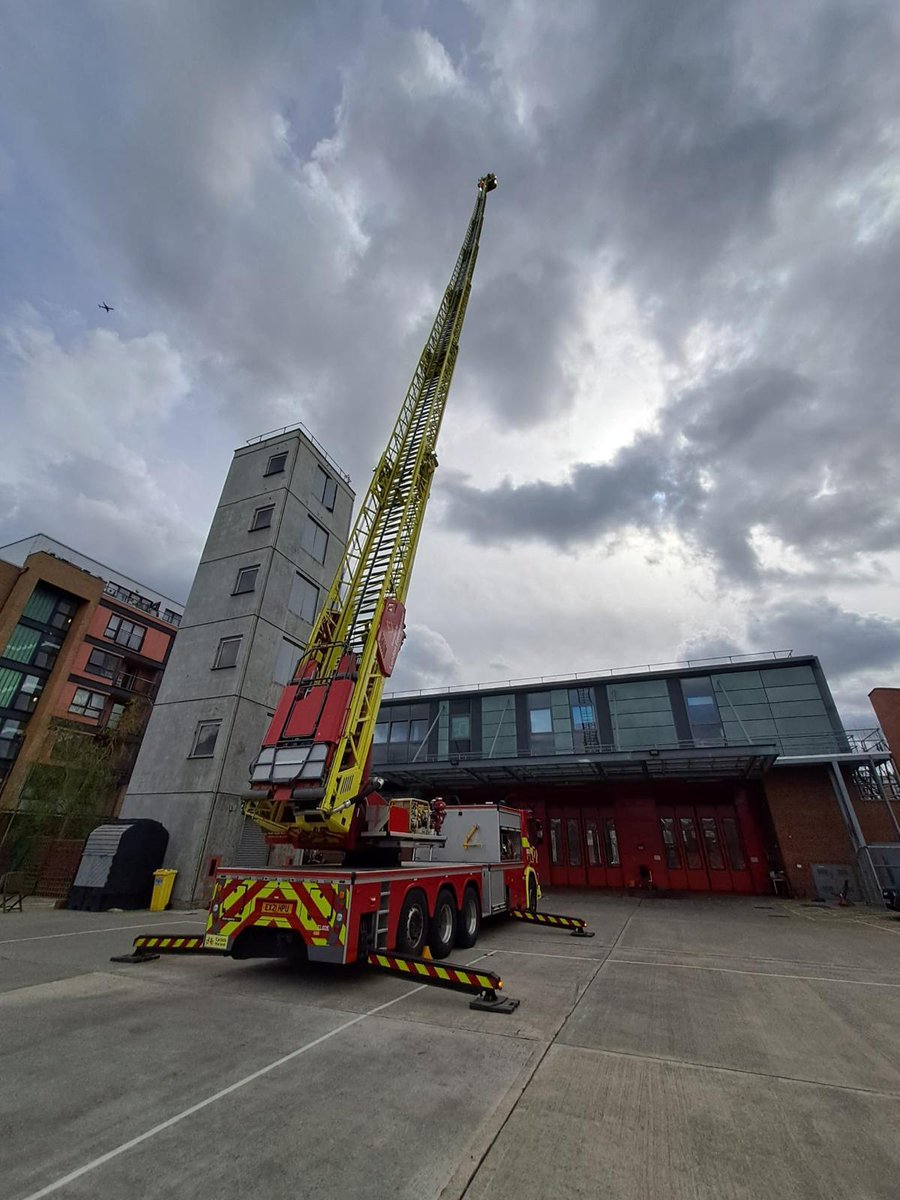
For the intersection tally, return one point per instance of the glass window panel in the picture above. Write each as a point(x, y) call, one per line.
point(381, 733)
point(592, 837)
point(205, 739)
point(583, 716)
point(667, 828)
point(87, 703)
point(101, 663)
point(574, 835)
point(314, 540)
point(711, 842)
point(115, 715)
point(787, 676)
point(246, 580)
point(399, 731)
point(22, 645)
point(262, 518)
point(460, 729)
point(227, 653)
point(798, 708)
point(540, 720)
point(691, 844)
point(41, 604)
point(733, 844)
point(10, 682)
point(417, 731)
point(327, 488)
point(304, 598)
point(612, 842)
point(29, 694)
point(555, 841)
point(47, 651)
point(289, 654)
point(275, 464)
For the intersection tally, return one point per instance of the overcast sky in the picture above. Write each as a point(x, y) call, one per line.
point(674, 427)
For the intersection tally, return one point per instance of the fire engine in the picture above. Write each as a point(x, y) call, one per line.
point(386, 879)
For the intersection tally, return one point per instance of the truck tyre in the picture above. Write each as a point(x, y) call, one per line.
point(412, 928)
point(442, 930)
point(468, 926)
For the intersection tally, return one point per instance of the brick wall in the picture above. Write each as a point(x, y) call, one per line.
point(808, 823)
point(886, 703)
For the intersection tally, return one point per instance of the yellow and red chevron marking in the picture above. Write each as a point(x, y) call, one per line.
point(542, 918)
point(435, 972)
point(171, 943)
point(316, 910)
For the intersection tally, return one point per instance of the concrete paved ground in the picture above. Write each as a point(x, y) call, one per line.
point(694, 1048)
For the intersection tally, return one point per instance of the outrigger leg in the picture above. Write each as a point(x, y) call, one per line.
point(575, 925)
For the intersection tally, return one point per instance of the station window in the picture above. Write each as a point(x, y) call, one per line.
point(227, 653)
point(205, 739)
point(304, 598)
point(276, 464)
point(326, 488)
point(612, 842)
point(667, 829)
point(262, 518)
point(314, 540)
point(246, 580)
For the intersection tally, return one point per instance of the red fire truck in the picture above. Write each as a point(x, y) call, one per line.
point(412, 875)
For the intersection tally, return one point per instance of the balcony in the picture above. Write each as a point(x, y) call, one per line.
point(134, 599)
point(136, 684)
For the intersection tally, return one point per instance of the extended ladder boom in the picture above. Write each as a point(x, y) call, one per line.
point(314, 760)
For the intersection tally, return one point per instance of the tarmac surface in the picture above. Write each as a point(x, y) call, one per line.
point(698, 1047)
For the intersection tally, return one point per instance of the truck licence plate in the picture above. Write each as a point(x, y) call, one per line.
point(272, 908)
point(215, 941)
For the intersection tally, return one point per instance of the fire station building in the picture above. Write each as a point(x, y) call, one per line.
point(727, 775)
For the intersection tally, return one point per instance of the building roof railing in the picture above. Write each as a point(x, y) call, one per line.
point(723, 660)
point(263, 437)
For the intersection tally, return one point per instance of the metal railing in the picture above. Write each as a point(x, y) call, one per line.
point(263, 437)
point(723, 660)
point(136, 600)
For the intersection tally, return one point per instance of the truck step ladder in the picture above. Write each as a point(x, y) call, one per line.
point(575, 925)
point(146, 949)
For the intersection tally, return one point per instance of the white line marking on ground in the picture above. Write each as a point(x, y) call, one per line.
point(633, 962)
point(43, 937)
point(544, 954)
point(220, 1095)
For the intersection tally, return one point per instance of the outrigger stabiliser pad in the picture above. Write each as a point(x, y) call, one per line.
point(146, 949)
point(484, 984)
point(575, 925)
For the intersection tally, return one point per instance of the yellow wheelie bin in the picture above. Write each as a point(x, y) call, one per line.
point(163, 882)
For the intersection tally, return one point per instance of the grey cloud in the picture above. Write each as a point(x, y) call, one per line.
point(847, 642)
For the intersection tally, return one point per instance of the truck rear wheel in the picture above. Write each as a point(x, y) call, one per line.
point(468, 926)
point(412, 928)
point(442, 931)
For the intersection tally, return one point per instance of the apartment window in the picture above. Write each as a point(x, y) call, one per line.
point(326, 488)
point(227, 653)
point(304, 599)
point(314, 540)
point(33, 647)
point(11, 733)
point(28, 694)
point(101, 663)
point(205, 739)
point(289, 654)
point(115, 716)
point(246, 580)
point(126, 633)
point(276, 464)
point(262, 518)
point(88, 704)
point(50, 607)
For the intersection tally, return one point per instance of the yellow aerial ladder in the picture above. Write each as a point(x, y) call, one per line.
point(311, 782)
